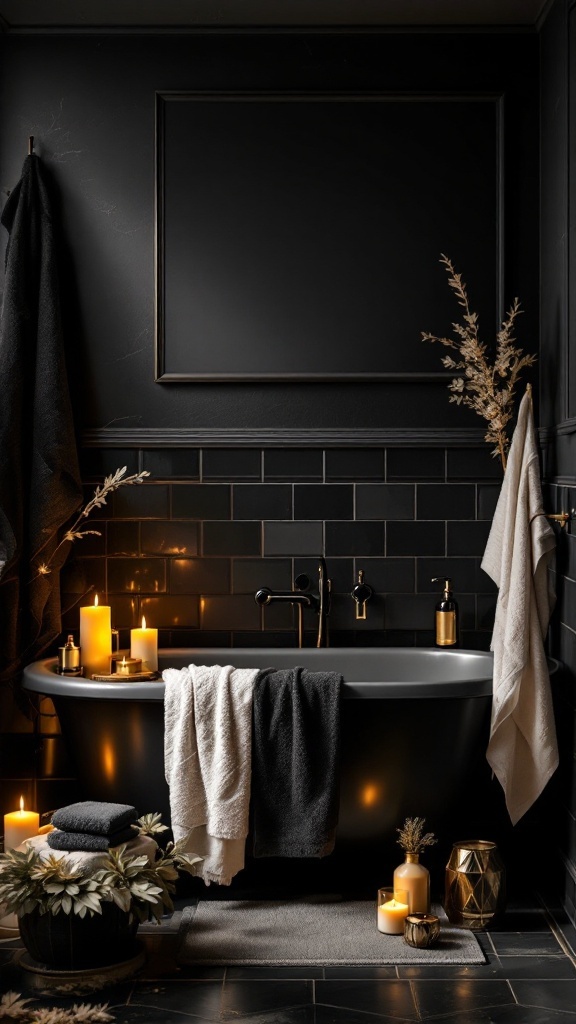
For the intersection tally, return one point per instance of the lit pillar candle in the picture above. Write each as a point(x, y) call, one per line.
point(95, 638)
point(20, 825)
point(144, 645)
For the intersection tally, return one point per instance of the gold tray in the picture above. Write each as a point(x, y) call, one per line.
point(116, 677)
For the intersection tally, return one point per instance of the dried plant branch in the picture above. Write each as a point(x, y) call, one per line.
point(14, 1007)
point(412, 837)
point(74, 532)
point(487, 389)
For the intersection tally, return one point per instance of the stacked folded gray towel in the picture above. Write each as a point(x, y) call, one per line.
point(92, 825)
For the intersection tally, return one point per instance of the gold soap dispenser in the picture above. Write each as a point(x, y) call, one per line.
point(446, 616)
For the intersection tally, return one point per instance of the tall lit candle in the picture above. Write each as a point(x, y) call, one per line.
point(20, 825)
point(144, 645)
point(95, 638)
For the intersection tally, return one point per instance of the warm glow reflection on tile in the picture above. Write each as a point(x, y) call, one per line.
point(136, 733)
point(49, 758)
point(108, 760)
point(370, 794)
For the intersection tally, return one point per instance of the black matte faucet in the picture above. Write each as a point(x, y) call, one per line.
point(304, 598)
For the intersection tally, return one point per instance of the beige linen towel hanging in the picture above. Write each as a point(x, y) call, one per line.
point(522, 750)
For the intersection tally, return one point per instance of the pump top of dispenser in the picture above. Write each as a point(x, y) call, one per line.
point(446, 580)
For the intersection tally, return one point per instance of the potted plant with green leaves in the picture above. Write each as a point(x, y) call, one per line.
point(72, 917)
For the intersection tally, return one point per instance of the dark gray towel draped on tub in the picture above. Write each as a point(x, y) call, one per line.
point(40, 485)
point(295, 762)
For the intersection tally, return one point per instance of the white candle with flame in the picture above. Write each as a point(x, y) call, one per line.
point(20, 825)
point(144, 645)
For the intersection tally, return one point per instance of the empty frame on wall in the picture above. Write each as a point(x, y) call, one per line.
point(298, 236)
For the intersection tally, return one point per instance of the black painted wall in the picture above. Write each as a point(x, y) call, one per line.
point(90, 103)
point(558, 411)
point(250, 481)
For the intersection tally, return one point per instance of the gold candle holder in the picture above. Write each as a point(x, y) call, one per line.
point(421, 930)
point(128, 666)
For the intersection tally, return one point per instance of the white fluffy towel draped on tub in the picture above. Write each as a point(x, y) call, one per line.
point(207, 760)
point(523, 750)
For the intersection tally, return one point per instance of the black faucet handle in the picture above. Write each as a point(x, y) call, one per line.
point(302, 582)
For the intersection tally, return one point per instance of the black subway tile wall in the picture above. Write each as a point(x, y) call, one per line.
point(384, 501)
point(190, 546)
point(231, 464)
point(135, 502)
point(416, 464)
point(297, 538)
point(199, 501)
point(199, 575)
point(446, 501)
point(263, 501)
point(293, 464)
point(323, 501)
point(172, 463)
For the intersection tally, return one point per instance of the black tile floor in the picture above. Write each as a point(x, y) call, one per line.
point(529, 978)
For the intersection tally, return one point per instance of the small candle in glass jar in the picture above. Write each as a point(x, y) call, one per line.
point(393, 910)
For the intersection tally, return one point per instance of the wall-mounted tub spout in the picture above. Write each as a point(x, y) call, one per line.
point(361, 594)
point(303, 598)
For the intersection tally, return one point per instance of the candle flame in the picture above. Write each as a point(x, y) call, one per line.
point(143, 623)
point(21, 804)
point(124, 660)
point(95, 600)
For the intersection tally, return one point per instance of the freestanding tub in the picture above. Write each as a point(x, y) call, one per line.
point(415, 726)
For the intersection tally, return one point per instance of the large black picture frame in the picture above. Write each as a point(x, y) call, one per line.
point(298, 235)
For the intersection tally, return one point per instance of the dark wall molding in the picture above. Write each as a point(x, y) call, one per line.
point(547, 434)
point(258, 30)
point(558, 446)
point(215, 437)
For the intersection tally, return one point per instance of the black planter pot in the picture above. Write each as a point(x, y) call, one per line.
point(69, 942)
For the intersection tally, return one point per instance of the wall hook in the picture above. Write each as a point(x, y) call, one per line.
point(559, 517)
point(30, 145)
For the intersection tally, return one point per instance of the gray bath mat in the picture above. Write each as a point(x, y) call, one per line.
point(309, 933)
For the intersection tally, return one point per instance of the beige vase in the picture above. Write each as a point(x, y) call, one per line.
point(415, 879)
